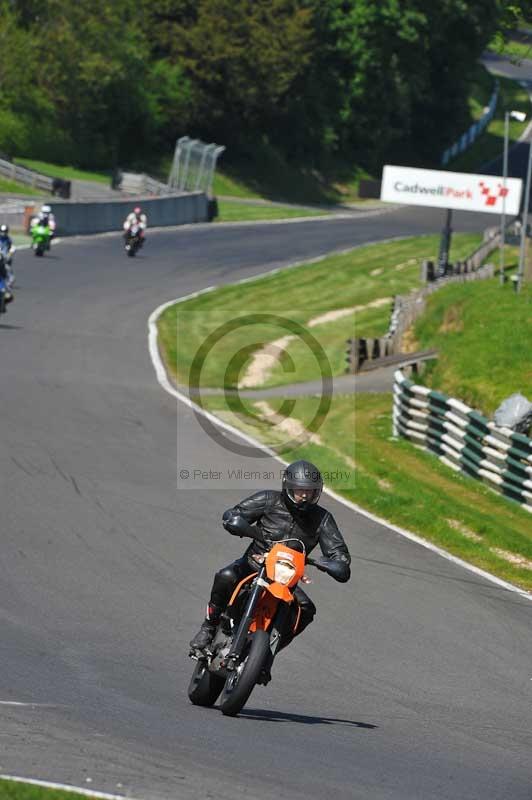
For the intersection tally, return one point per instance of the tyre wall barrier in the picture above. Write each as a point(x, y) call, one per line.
point(463, 439)
point(99, 217)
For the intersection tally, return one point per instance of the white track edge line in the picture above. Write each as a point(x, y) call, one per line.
point(66, 787)
point(164, 381)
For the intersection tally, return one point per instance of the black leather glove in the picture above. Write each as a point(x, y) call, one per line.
point(339, 570)
point(238, 526)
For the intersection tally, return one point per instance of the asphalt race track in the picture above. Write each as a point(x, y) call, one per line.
point(414, 681)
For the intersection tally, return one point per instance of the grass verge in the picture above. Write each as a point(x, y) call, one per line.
point(58, 171)
point(16, 790)
point(483, 332)
point(12, 187)
point(351, 280)
point(516, 48)
point(235, 211)
point(512, 96)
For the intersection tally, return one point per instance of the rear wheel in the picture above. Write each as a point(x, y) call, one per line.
point(204, 688)
point(2, 303)
point(241, 681)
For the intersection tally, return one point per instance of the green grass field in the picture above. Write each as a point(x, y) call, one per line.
point(299, 294)
point(484, 336)
point(58, 171)
point(15, 790)
point(12, 187)
point(234, 211)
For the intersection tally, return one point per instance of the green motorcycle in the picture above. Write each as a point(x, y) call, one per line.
point(41, 236)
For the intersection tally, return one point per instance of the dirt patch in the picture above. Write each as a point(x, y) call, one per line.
point(409, 343)
point(408, 263)
point(452, 320)
point(263, 362)
point(518, 561)
point(331, 316)
point(456, 525)
point(294, 428)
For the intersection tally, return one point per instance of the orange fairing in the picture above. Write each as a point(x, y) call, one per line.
point(239, 586)
point(284, 567)
point(265, 612)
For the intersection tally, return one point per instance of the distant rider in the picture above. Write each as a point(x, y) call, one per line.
point(138, 218)
point(5, 277)
point(46, 218)
point(8, 249)
point(292, 512)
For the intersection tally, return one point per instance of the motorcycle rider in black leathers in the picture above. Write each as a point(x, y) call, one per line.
point(292, 512)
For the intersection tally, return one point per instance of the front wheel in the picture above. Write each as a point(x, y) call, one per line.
point(204, 687)
point(241, 681)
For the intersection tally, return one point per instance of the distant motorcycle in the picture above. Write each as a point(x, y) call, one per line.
point(41, 236)
point(133, 240)
point(6, 295)
point(8, 261)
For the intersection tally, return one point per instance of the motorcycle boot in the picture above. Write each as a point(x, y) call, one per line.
point(205, 635)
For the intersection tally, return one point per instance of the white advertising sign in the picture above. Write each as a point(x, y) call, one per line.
point(440, 189)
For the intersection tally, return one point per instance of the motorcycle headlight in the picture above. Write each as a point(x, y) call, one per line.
point(283, 572)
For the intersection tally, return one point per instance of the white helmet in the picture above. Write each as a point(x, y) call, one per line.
point(46, 209)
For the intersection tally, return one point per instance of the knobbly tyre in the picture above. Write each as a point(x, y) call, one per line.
point(250, 633)
point(133, 240)
point(41, 236)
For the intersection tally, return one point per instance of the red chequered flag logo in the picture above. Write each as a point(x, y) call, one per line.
point(491, 194)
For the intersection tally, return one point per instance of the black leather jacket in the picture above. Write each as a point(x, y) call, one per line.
point(275, 520)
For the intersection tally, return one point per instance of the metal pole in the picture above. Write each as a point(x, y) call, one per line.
point(504, 177)
point(524, 222)
point(445, 245)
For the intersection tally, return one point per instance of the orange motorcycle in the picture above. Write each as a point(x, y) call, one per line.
point(261, 612)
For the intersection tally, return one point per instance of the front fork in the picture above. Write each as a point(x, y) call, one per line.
point(241, 637)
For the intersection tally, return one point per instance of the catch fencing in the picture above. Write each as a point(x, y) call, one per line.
point(467, 138)
point(464, 439)
point(194, 165)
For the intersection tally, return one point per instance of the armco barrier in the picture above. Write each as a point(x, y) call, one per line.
point(99, 217)
point(463, 439)
point(28, 176)
point(467, 138)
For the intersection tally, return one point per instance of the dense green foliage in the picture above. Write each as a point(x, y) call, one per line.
point(103, 82)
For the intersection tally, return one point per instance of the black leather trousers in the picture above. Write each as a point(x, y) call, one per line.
point(227, 579)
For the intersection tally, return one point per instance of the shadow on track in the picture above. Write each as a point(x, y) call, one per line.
point(283, 716)
point(10, 327)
